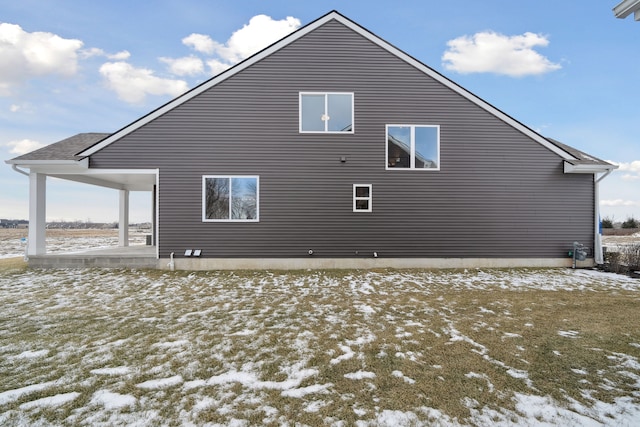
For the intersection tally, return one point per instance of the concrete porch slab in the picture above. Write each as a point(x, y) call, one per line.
point(140, 256)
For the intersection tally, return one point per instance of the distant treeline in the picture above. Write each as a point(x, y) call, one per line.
point(23, 223)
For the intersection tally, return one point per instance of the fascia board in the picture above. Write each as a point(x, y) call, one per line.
point(302, 32)
point(570, 168)
point(72, 165)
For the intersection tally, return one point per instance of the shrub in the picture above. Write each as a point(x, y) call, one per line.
point(630, 223)
point(607, 222)
point(626, 260)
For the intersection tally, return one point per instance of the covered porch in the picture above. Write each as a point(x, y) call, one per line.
point(60, 160)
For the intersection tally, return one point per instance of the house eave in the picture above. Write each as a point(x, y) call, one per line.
point(626, 8)
point(51, 165)
point(588, 168)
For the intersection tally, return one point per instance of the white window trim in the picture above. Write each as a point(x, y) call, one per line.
point(413, 148)
point(230, 177)
point(369, 199)
point(326, 106)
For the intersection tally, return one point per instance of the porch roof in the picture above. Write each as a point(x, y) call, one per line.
point(67, 149)
point(583, 162)
point(62, 160)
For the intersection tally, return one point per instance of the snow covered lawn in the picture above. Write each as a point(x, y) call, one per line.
point(336, 348)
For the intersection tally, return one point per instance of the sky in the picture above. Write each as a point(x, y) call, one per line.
point(568, 70)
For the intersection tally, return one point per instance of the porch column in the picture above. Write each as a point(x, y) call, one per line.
point(154, 235)
point(123, 220)
point(598, 253)
point(37, 214)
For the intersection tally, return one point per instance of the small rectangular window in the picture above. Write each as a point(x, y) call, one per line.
point(230, 198)
point(413, 147)
point(326, 112)
point(362, 198)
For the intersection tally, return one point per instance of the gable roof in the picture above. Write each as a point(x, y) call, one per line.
point(333, 15)
point(81, 146)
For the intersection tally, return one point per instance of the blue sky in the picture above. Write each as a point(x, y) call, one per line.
point(568, 70)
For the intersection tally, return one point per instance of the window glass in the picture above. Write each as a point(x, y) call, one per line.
point(217, 198)
point(413, 147)
point(399, 146)
point(230, 198)
point(326, 112)
point(339, 110)
point(362, 191)
point(426, 146)
point(362, 205)
point(244, 198)
point(312, 113)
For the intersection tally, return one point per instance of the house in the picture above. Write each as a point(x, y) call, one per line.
point(333, 148)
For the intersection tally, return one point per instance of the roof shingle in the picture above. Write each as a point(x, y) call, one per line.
point(67, 149)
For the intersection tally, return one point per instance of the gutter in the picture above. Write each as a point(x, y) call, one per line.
point(626, 8)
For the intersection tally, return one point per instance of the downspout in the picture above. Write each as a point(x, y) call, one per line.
point(597, 249)
point(15, 168)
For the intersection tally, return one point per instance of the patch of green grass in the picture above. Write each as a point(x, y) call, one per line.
point(15, 265)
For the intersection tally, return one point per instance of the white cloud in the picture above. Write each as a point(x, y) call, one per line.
point(632, 169)
point(490, 52)
point(200, 43)
point(619, 202)
point(633, 166)
point(14, 108)
point(260, 32)
point(186, 66)
point(25, 55)
point(22, 146)
point(629, 177)
point(91, 52)
point(94, 51)
point(134, 84)
point(119, 56)
point(216, 66)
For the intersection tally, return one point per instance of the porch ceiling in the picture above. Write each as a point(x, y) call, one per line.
point(120, 180)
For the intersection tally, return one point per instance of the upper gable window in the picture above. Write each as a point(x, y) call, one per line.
point(413, 147)
point(329, 112)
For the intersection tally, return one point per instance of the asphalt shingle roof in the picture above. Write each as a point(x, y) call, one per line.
point(65, 149)
point(583, 158)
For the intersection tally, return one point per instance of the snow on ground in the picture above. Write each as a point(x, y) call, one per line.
point(13, 242)
point(115, 347)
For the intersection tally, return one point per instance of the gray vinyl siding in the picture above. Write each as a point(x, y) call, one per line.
point(498, 193)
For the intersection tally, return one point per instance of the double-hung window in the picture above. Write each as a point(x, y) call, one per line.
point(326, 112)
point(230, 198)
point(362, 198)
point(413, 147)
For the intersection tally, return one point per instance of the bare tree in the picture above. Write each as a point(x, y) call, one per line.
point(217, 198)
